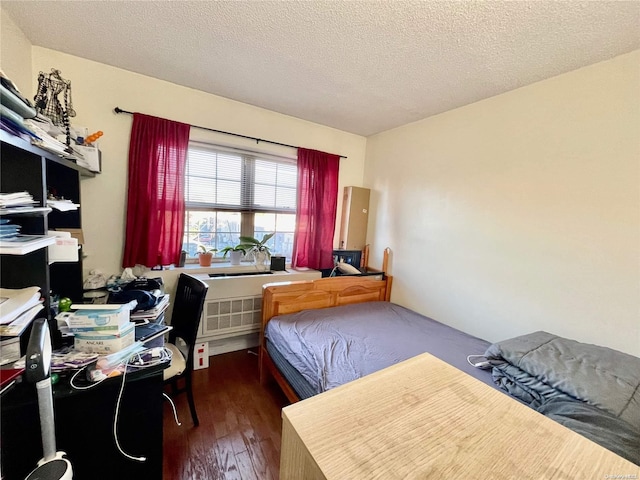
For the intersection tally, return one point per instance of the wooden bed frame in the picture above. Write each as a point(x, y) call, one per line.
point(291, 297)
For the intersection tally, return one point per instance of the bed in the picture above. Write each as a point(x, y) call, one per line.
point(356, 314)
point(317, 335)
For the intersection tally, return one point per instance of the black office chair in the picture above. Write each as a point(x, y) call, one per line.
point(185, 320)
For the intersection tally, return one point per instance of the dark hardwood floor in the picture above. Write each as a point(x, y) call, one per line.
point(240, 424)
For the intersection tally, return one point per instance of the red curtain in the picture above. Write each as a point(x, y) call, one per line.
point(155, 210)
point(317, 202)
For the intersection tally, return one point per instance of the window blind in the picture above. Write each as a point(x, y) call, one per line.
point(234, 180)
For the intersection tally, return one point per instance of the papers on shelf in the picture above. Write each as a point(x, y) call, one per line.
point(62, 205)
point(14, 302)
point(23, 244)
point(44, 140)
point(15, 199)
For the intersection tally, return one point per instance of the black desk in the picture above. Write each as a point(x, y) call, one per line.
point(84, 428)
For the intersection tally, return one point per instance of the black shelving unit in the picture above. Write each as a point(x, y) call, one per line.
point(26, 167)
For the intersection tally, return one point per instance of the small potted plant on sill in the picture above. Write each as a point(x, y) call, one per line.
point(259, 249)
point(205, 255)
point(235, 253)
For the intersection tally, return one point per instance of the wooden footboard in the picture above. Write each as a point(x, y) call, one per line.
point(291, 297)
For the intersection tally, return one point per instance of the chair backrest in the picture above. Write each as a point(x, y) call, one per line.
point(187, 311)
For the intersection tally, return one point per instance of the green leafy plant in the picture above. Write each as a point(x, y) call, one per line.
point(250, 243)
point(237, 248)
point(204, 249)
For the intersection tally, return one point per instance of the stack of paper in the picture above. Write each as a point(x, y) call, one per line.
point(18, 307)
point(16, 199)
point(46, 141)
point(62, 205)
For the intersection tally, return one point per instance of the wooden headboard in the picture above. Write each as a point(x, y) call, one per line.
point(291, 297)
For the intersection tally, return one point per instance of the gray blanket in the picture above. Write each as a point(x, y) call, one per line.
point(597, 425)
point(540, 367)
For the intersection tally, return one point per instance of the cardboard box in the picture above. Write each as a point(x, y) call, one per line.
point(74, 232)
point(92, 158)
point(104, 317)
point(104, 344)
point(65, 249)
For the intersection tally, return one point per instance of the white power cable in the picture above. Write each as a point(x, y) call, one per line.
point(484, 364)
point(173, 406)
point(165, 355)
point(115, 420)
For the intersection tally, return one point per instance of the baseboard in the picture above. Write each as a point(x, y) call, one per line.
point(233, 344)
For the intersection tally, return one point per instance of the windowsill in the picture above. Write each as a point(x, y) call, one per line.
point(219, 270)
point(221, 267)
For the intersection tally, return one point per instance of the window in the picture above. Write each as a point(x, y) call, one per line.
point(229, 193)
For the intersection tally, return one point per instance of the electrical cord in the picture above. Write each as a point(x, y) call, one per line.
point(158, 355)
point(84, 387)
point(164, 355)
point(115, 421)
point(173, 406)
point(484, 364)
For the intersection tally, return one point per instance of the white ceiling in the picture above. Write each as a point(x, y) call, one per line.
point(358, 66)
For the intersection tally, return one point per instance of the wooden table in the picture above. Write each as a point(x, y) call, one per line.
point(424, 419)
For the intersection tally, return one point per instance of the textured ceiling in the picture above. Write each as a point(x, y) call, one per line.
point(361, 67)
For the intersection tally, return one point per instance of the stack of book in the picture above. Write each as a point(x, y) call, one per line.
point(18, 308)
point(14, 109)
point(8, 229)
point(11, 241)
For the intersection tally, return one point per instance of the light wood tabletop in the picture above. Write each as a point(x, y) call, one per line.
point(423, 419)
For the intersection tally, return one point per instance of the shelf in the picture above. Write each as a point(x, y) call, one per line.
point(25, 211)
point(26, 167)
point(33, 243)
point(50, 156)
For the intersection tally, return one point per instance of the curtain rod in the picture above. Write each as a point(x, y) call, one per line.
point(258, 140)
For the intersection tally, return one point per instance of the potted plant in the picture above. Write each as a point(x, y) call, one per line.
point(235, 253)
point(205, 255)
point(259, 248)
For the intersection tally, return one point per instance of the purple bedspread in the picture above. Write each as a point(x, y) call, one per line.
point(333, 346)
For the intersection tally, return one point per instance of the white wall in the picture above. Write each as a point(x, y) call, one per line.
point(520, 212)
point(15, 54)
point(98, 88)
